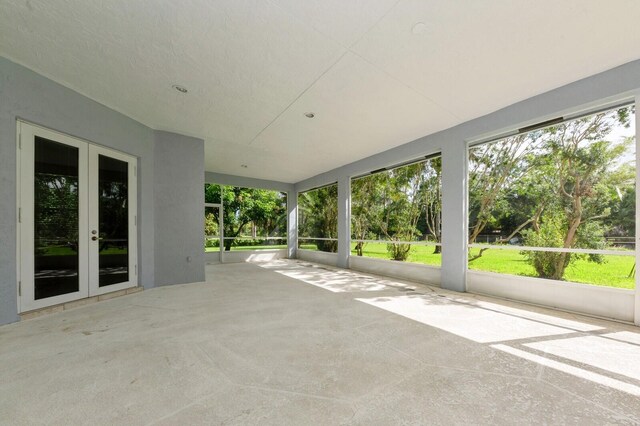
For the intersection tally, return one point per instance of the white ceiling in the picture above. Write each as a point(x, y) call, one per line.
point(372, 77)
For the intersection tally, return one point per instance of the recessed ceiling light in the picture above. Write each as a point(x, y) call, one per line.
point(309, 114)
point(179, 88)
point(419, 28)
point(244, 166)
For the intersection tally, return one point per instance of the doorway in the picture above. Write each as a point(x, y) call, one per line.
point(77, 219)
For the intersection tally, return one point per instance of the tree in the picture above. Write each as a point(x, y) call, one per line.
point(431, 194)
point(367, 200)
point(318, 216)
point(55, 211)
point(403, 208)
point(492, 167)
point(402, 204)
point(585, 177)
point(242, 206)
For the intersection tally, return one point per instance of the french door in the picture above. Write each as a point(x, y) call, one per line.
point(76, 219)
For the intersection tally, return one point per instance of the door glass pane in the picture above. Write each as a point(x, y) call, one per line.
point(211, 228)
point(55, 219)
point(113, 211)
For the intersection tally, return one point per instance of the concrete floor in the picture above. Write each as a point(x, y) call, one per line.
point(293, 343)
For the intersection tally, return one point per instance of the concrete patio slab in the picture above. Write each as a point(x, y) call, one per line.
point(289, 342)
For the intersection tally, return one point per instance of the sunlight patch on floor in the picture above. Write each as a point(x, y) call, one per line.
point(473, 323)
point(574, 371)
point(606, 354)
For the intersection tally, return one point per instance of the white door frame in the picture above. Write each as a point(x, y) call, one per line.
point(94, 223)
point(87, 196)
point(26, 288)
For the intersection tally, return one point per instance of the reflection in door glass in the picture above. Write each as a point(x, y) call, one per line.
point(114, 221)
point(55, 210)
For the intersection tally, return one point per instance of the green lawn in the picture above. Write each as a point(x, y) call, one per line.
point(262, 247)
point(613, 273)
point(418, 254)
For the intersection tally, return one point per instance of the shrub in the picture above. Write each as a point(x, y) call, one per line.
point(399, 251)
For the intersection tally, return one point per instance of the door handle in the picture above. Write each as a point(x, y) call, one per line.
point(95, 238)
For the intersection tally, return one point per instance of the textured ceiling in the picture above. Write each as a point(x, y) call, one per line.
point(373, 78)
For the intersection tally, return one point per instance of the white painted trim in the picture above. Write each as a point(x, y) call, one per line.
point(254, 255)
point(27, 301)
point(94, 259)
point(417, 243)
point(567, 115)
point(555, 249)
point(418, 272)
point(322, 257)
point(257, 237)
point(18, 215)
point(600, 301)
point(636, 315)
point(87, 165)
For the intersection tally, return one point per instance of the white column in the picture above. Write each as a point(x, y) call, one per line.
point(454, 216)
point(344, 221)
point(636, 315)
point(292, 224)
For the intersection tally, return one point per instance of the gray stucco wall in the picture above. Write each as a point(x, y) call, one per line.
point(32, 97)
point(29, 96)
point(179, 208)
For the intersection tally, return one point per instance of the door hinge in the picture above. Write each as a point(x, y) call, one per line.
point(135, 220)
point(135, 171)
point(19, 288)
point(19, 214)
point(20, 140)
point(136, 270)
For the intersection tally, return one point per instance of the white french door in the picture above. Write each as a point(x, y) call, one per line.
point(76, 219)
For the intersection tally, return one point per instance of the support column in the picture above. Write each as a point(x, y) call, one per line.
point(292, 224)
point(636, 311)
point(454, 216)
point(344, 221)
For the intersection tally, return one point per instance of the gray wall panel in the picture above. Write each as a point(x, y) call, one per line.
point(179, 209)
point(34, 98)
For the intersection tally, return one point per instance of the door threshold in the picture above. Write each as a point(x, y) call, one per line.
point(77, 303)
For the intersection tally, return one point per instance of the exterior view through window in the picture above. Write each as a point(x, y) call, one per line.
point(396, 213)
point(557, 202)
point(318, 219)
point(253, 219)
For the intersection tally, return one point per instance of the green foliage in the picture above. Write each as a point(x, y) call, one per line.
point(400, 205)
point(55, 212)
point(243, 206)
point(550, 234)
point(211, 224)
point(399, 251)
point(569, 186)
point(318, 216)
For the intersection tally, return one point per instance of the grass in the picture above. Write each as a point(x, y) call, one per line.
point(613, 273)
point(418, 254)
